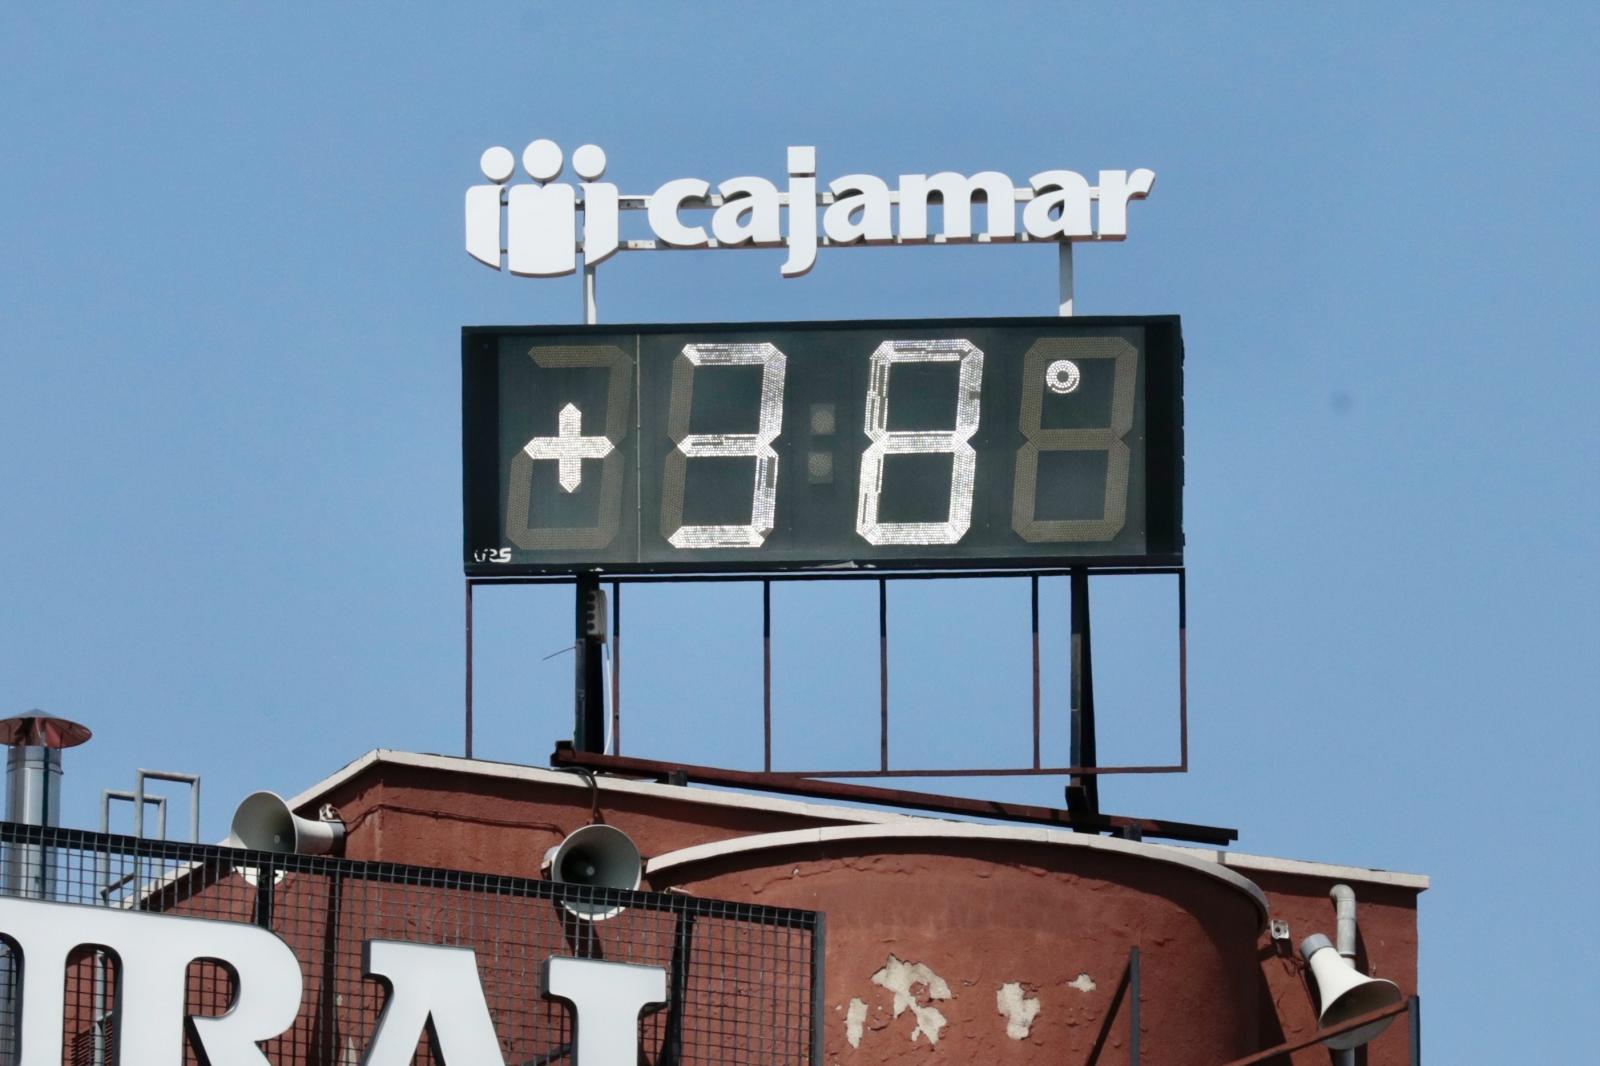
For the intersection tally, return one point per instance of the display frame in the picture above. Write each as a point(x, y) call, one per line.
point(483, 482)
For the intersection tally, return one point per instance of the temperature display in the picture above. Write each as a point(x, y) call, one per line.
point(774, 446)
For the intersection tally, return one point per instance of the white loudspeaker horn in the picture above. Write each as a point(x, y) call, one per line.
point(1346, 993)
point(264, 822)
point(595, 855)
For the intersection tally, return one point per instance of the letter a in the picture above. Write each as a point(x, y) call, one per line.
point(427, 981)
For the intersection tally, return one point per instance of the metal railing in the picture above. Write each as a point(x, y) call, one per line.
point(745, 981)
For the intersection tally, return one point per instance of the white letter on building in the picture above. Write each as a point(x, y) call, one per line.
point(428, 981)
point(802, 211)
point(955, 191)
point(866, 194)
point(663, 212)
point(755, 197)
point(155, 951)
point(607, 999)
point(1117, 187)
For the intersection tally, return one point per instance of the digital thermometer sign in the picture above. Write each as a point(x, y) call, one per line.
point(748, 447)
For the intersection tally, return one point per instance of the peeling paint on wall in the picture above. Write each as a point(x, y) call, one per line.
point(1083, 983)
point(1019, 1011)
point(902, 978)
point(855, 1019)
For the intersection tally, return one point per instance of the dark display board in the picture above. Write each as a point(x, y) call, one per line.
point(1019, 442)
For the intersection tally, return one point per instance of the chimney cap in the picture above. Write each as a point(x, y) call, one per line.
point(37, 729)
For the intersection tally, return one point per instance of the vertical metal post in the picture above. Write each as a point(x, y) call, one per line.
point(766, 675)
point(1033, 582)
point(140, 799)
point(678, 967)
point(1183, 672)
point(265, 876)
point(101, 1053)
point(591, 312)
point(326, 1035)
point(469, 669)
point(589, 702)
point(1133, 1007)
point(1064, 261)
point(883, 674)
point(1083, 791)
point(819, 989)
point(616, 668)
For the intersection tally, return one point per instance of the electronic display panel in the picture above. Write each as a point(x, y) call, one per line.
point(748, 447)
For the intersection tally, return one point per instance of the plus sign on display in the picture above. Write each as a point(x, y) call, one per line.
point(569, 448)
point(779, 446)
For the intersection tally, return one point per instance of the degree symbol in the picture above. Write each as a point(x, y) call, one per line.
point(1062, 376)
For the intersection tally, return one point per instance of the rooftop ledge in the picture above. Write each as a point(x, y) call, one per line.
point(902, 824)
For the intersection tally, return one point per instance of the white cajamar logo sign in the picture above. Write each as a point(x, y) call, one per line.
point(431, 987)
point(534, 224)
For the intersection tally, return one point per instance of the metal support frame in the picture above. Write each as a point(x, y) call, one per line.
point(883, 675)
point(468, 744)
point(1033, 606)
point(616, 669)
point(1082, 767)
point(682, 948)
point(1083, 790)
point(104, 886)
point(111, 795)
point(589, 701)
point(766, 676)
point(100, 1005)
point(1065, 296)
point(192, 780)
point(266, 879)
point(1065, 280)
point(819, 988)
point(140, 801)
point(1412, 1008)
point(1127, 985)
point(566, 756)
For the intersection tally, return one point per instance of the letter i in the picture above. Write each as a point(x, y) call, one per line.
point(483, 206)
point(599, 204)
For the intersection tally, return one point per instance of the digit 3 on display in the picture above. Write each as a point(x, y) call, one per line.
point(749, 447)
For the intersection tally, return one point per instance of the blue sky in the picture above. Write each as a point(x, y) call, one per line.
point(231, 288)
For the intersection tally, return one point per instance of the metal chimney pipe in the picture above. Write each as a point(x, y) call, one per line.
point(33, 795)
point(1344, 913)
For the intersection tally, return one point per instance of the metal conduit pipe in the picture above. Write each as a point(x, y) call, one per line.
point(1344, 912)
point(1344, 942)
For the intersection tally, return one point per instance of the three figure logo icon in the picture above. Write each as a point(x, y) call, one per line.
point(541, 217)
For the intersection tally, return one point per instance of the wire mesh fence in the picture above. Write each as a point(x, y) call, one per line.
point(744, 981)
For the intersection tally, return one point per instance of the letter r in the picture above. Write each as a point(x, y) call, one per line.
point(155, 951)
